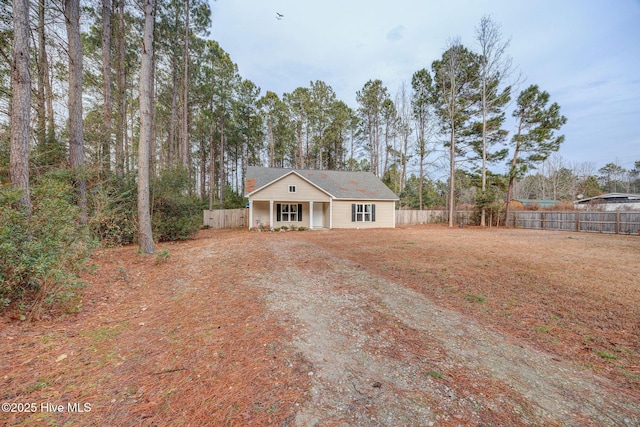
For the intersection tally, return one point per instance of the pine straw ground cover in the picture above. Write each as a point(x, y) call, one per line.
point(186, 340)
point(576, 295)
point(174, 340)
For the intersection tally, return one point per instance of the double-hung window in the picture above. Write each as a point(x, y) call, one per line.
point(289, 212)
point(363, 212)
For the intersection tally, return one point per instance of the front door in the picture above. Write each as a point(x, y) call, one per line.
point(317, 215)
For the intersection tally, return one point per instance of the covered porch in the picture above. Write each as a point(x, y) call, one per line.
point(278, 213)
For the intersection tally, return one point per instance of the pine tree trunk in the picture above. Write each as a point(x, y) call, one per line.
point(122, 94)
point(145, 235)
point(20, 103)
point(483, 214)
point(106, 75)
point(185, 151)
point(452, 176)
point(223, 178)
point(173, 121)
point(41, 113)
point(76, 131)
point(46, 122)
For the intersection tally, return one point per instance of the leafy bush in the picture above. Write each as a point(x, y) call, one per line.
point(42, 254)
point(175, 218)
point(176, 215)
point(114, 207)
point(112, 217)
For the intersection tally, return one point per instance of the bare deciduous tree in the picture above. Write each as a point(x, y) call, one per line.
point(495, 68)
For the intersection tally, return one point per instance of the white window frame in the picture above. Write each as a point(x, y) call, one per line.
point(363, 212)
point(288, 212)
point(292, 189)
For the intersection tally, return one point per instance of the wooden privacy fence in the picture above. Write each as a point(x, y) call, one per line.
point(619, 222)
point(226, 218)
point(234, 218)
point(407, 217)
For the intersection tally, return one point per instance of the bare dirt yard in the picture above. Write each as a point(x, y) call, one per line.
point(416, 326)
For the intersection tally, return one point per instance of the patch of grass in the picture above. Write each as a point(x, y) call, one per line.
point(630, 375)
point(541, 329)
point(434, 374)
point(38, 385)
point(122, 274)
point(474, 298)
point(104, 333)
point(605, 354)
point(162, 256)
point(409, 243)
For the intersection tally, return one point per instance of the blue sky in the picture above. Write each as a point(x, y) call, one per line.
point(586, 54)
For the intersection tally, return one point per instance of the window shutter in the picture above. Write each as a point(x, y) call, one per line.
point(278, 210)
point(299, 212)
point(353, 212)
point(373, 212)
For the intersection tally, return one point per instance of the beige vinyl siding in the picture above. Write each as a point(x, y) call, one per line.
point(261, 213)
point(385, 214)
point(279, 191)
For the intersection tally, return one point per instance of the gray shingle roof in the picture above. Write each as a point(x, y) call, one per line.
point(340, 184)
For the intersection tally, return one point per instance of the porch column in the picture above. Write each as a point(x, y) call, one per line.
point(250, 214)
point(270, 213)
point(394, 214)
point(330, 213)
point(310, 214)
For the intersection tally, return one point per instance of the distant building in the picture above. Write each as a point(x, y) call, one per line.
point(610, 202)
point(533, 203)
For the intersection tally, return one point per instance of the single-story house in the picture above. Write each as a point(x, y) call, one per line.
point(318, 199)
point(610, 202)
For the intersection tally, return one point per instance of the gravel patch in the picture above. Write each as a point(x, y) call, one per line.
point(381, 354)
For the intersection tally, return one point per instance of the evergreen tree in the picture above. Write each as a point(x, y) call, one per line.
point(535, 139)
point(456, 88)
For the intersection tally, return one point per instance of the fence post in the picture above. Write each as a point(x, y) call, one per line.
point(578, 220)
point(543, 220)
point(617, 222)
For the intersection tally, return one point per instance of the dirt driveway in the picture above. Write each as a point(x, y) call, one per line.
point(383, 354)
point(424, 326)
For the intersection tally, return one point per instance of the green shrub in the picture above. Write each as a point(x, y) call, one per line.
point(176, 215)
point(175, 218)
point(42, 254)
point(114, 209)
point(112, 216)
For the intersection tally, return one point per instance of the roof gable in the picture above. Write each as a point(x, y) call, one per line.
point(286, 177)
point(338, 184)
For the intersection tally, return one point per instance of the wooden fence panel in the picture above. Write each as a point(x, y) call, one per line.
point(586, 221)
point(226, 218)
point(409, 217)
point(629, 223)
